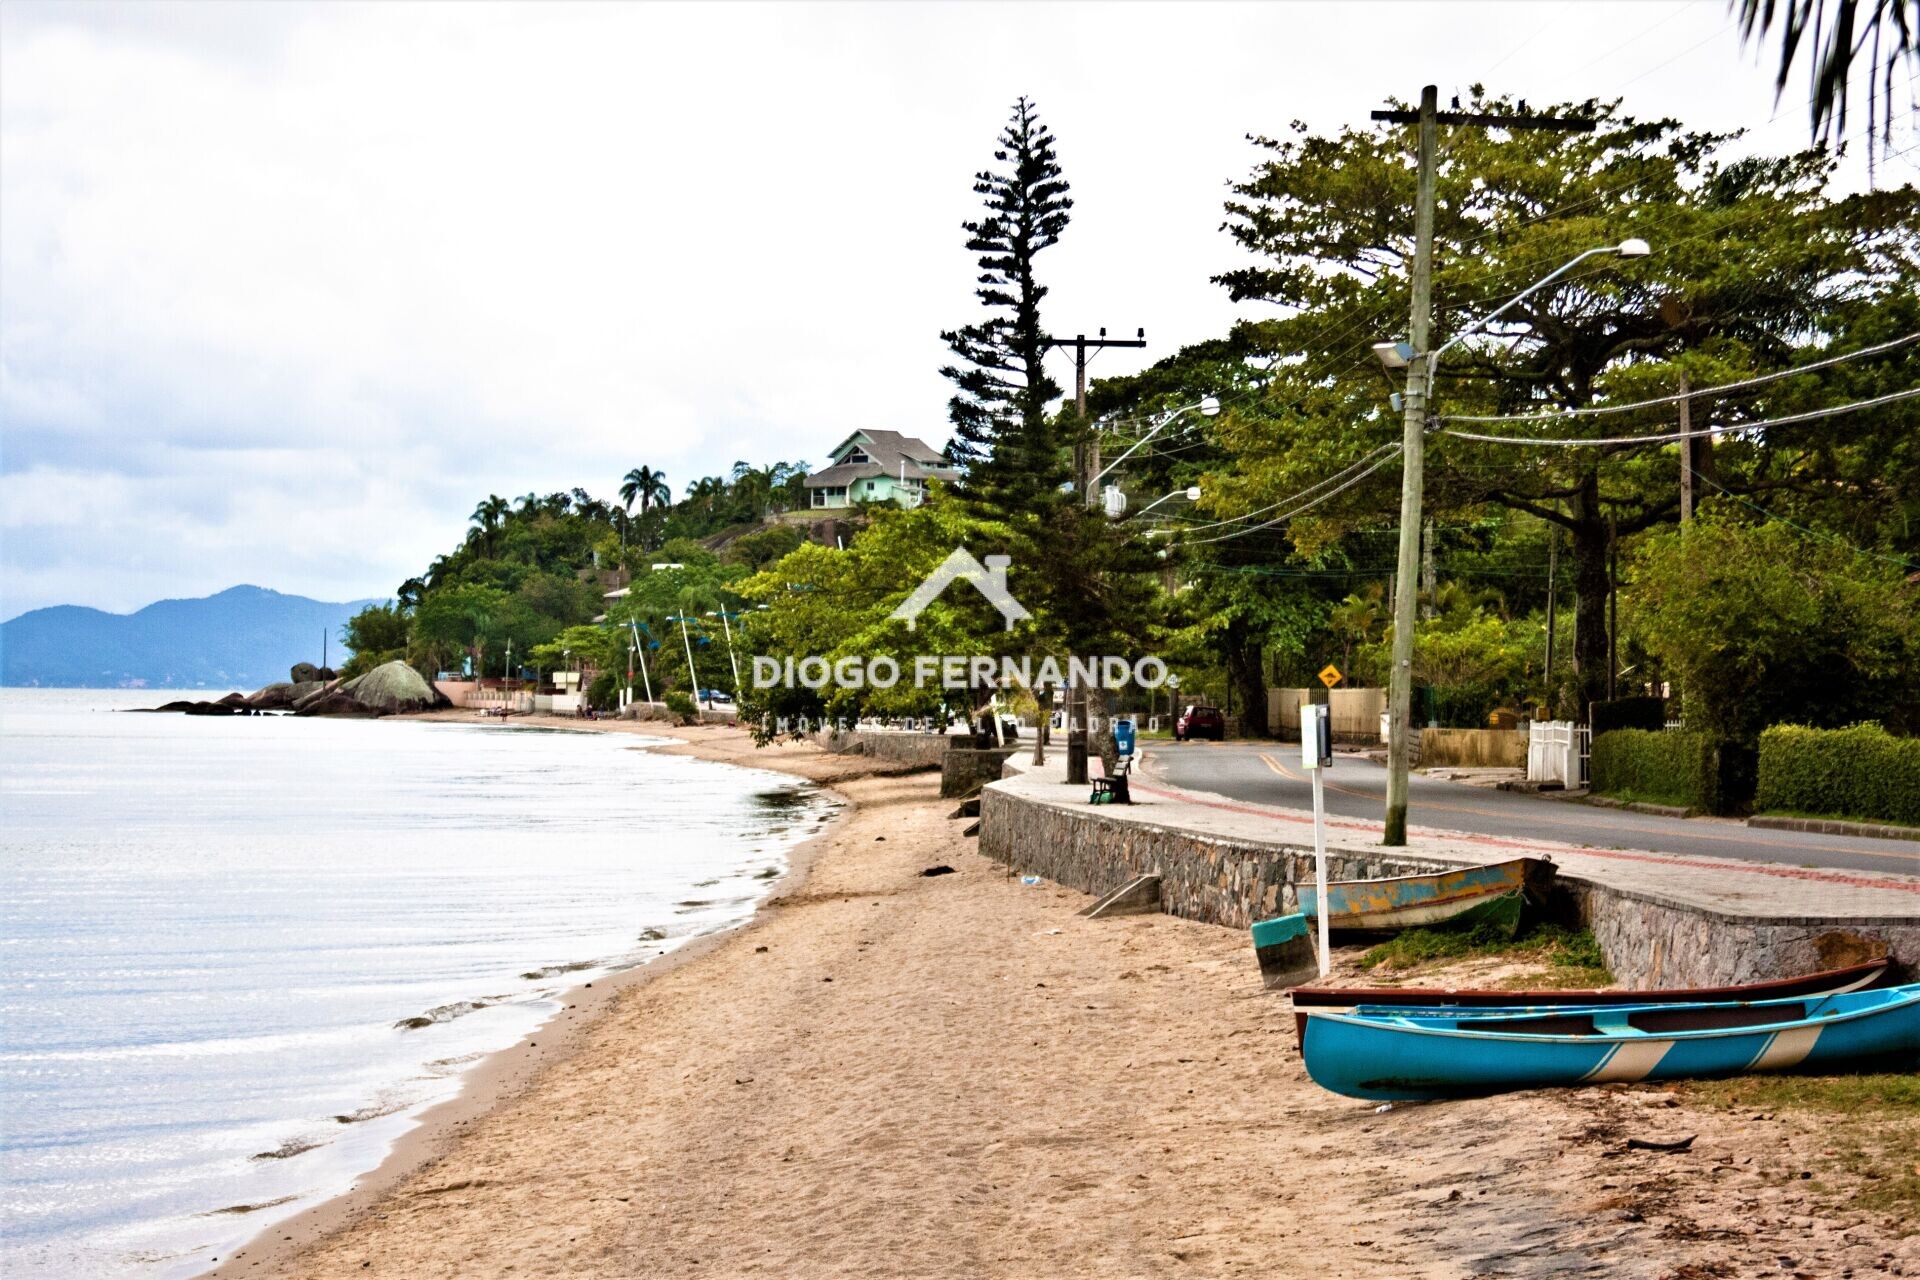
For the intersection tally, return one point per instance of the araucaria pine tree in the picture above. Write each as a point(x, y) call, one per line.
point(1012, 454)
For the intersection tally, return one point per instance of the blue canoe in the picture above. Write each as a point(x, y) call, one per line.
point(1393, 1053)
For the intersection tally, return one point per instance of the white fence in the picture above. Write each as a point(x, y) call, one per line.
point(1557, 752)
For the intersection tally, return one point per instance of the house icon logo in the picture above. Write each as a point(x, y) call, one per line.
point(990, 580)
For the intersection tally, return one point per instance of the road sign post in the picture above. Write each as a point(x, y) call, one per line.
point(1316, 752)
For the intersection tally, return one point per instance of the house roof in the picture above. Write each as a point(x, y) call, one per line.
point(892, 454)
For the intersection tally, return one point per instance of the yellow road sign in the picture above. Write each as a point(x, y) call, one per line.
point(1330, 675)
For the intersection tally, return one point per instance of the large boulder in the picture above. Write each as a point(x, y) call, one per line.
point(391, 689)
point(272, 697)
point(302, 696)
point(304, 673)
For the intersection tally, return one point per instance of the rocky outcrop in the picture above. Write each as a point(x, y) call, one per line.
point(221, 708)
point(307, 673)
point(273, 697)
point(391, 689)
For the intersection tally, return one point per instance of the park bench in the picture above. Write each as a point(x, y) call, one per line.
point(1108, 788)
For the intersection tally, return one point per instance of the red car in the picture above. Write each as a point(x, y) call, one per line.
point(1200, 722)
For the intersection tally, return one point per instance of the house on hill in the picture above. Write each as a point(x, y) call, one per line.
point(878, 466)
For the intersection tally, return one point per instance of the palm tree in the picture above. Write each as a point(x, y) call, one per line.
point(1880, 33)
point(488, 516)
point(646, 485)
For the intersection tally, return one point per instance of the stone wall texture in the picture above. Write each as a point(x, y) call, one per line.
point(1225, 882)
point(894, 748)
point(1648, 943)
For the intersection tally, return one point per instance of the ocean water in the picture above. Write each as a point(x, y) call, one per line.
point(238, 956)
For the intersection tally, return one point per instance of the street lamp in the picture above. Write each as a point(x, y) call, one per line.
point(693, 673)
point(1192, 493)
point(1208, 407)
point(1634, 248)
point(1420, 371)
point(732, 661)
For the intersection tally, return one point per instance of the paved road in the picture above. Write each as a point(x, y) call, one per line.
point(1270, 774)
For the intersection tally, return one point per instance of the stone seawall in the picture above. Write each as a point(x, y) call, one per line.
point(1648, 942)
point(1202, 877)
point(894, 748)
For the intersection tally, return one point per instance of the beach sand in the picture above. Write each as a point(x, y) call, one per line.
point(893, 1074)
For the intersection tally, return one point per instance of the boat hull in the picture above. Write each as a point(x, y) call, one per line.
point(1488, 895)
point(1859, 977)
point(1473, 1053)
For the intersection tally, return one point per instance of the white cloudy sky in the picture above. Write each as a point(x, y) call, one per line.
point(285, 290)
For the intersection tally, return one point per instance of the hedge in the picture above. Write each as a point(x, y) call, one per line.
point(1861, 772)
point(1663, 766)
point(1628, 713)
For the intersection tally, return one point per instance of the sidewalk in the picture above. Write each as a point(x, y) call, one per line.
point(1722, 887)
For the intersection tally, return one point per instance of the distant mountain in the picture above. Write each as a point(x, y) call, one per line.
point(240, 639)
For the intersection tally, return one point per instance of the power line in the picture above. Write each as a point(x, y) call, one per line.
point(1808, 416)
point(1237, 533)
point(1812, 533)
point(1295, 497)
point(1696, 393)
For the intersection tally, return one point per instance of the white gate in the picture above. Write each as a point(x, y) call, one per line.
point(1557, 752)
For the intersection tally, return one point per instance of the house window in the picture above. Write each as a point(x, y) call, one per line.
point(830, 496)
point(856, 454)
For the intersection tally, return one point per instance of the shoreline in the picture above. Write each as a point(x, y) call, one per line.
point(504, 1074)
point(891, 1073)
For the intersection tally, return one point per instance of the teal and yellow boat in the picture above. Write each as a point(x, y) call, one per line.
point(1488, 896)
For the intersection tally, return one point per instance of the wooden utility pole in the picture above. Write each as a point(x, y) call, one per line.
point(1086, 466)
point(1413, 427)
point(1686, 451)
point(1429, 574)
point(1086, 445)
point(1553, 607)
point(1613, 603)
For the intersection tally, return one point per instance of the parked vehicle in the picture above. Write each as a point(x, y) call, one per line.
point(1200, 722)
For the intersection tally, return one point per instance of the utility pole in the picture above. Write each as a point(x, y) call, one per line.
point(1086, 446)
point(1429, 574)
point(1686, 451)
point(1553, 608)
point(1613, 603)
point(1086, 465)
point(1413, 428)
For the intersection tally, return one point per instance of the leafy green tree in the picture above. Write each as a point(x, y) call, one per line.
point(453, 620)
point(1762, 624)
point(1755, 269)
point(835, 605)
point(583, 648)
point(376, 635)
point(760, 549)
point(1003, 437)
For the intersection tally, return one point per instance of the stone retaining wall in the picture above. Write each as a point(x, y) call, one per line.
point(895, 748)
point(1225, 882)
point(1234, 882)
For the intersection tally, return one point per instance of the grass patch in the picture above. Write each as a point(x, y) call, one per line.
point(1627, 796)
point(1836, 817)
point(1890, 1095)
point(1869, 1125)
point(1571, 957)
